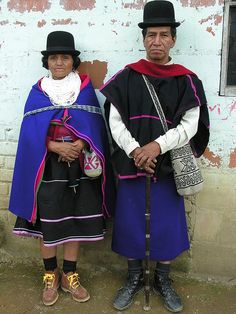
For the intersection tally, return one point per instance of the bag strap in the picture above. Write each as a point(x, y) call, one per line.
point(156, 102)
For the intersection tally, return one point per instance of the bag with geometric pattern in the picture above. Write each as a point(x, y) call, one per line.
point(92, 164)
point(187, 175)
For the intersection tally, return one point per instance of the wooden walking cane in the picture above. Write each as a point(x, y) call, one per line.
point(147, 306)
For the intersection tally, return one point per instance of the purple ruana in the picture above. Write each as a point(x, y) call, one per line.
point(84, 119)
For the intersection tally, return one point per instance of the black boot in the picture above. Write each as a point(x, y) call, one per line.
point(162, 286)
point(134, 283)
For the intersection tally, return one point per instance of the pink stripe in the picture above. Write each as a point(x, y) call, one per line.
point(70, 217)
point(27, 234)
point(66, 113)
point(88, 139)
point(57, 120)
point(147, 116)
point(84, 83)
point(74, 240)
point(111, 79)
point(36, 185)
point(100, 155)
point(133, 176)
point(194, 89)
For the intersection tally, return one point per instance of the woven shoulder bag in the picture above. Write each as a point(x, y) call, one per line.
point(187, 175)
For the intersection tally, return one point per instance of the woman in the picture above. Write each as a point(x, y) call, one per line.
point(51, 195)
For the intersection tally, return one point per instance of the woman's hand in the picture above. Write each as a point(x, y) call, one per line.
point(67, 151)
point(79, 145)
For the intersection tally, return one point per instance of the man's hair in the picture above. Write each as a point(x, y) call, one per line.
point(172, 31)
point(76, 61)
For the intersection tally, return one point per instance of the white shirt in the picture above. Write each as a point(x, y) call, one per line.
point(173, 138)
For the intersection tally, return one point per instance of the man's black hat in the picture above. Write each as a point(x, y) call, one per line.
point(158, 13)
point(60, 42)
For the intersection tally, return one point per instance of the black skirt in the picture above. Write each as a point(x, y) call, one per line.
point(69, 206)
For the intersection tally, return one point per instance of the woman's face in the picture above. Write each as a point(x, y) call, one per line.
point(60, 65)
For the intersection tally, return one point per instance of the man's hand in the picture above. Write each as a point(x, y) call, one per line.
point(145, 157)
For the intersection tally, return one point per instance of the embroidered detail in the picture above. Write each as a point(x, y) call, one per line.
point(92, 164)
point(75, 106)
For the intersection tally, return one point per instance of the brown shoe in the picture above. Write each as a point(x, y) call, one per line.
point(70, 283)
point(51, 279)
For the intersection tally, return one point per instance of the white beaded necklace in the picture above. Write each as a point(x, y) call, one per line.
point(62, 92)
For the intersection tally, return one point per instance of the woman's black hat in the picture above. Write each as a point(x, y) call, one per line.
point(60, 42)
point(158, 13)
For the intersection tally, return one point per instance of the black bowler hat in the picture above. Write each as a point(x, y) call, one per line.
point(60, 42)
point(158, 13)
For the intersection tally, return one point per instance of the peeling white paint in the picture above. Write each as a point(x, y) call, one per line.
point(110, 33)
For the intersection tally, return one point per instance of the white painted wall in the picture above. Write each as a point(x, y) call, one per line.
point(107, 31)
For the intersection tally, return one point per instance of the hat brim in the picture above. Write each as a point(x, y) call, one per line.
point(60, 51)
point(153, 24)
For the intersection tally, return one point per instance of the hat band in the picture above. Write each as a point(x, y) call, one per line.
point(160, 20)
point(59, 48)
point(51, 50)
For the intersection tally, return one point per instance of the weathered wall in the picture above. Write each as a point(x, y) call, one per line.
point(107, 35)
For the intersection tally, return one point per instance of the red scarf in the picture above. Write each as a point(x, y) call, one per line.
point(158, 70)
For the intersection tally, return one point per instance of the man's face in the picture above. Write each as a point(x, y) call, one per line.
point(158, 42)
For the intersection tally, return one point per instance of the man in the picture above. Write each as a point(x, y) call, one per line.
point(141, 147)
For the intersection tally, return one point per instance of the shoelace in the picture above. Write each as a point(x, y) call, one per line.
point(74, 280)
point(167, 289)
point(49, 279)
point(130, 285)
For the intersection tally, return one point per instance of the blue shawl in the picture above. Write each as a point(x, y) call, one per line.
point(85, 121)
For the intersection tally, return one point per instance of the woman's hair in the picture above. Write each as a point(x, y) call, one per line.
point(76, 61)
point(172, 30)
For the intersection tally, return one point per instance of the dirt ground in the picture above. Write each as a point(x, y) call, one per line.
point(21, 285)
